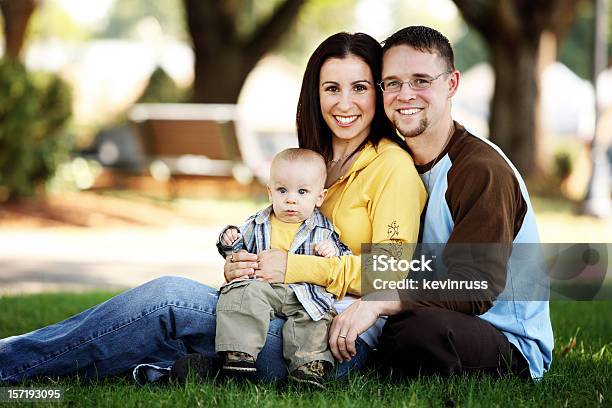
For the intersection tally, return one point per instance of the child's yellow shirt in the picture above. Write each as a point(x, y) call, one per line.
point(379, 200)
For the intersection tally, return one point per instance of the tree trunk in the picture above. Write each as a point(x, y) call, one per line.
point(223, 58)
point(16, 14)
point(219, 80)
point(548, 54)
point(516, 101)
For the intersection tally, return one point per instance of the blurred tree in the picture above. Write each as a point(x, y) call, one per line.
point(470, 50)
point(163, 89)
point(317, 20)
point(52, 22)
point(577, 50)
point(16, 14)
point(33, 115)
point(229, 37)
point(125, 15)
point(522, 37)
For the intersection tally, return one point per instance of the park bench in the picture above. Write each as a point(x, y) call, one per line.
point(197, 140)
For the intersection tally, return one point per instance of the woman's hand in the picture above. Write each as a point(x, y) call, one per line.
point(240, 265)
point(272, 265)
point(345, 328)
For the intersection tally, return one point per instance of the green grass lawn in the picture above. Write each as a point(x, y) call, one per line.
point(581, 375)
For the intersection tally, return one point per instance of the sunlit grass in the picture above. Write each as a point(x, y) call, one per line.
point(558, 221)
point(581, 374)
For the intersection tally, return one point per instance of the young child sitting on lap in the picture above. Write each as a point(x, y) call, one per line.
point(292, 223)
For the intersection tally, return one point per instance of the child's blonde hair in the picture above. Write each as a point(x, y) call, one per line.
point(296, 154)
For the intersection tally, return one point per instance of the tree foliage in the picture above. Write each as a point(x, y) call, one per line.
point(470, 50)
point(162, 89)
point(577, 50)
point(169, 13)
point(317, 20)
point(34, 109)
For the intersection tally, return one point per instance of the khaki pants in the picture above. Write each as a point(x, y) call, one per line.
point(245, 309)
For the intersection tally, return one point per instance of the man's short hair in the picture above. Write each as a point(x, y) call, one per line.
point(424, 39)
point(296, 154)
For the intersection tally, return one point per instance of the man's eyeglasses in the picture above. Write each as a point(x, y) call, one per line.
point(395, 85)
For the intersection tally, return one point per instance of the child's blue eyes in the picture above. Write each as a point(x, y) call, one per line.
point(283, 190)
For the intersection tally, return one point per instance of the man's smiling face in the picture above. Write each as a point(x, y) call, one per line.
point(412, 111)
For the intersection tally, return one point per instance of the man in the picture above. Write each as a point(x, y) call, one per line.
point(476, 197)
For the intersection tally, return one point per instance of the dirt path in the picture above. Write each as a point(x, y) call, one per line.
point(90, 242)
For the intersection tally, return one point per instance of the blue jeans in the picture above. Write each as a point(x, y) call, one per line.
point(148, 328)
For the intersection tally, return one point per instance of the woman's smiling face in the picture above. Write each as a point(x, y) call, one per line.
point(347, 96)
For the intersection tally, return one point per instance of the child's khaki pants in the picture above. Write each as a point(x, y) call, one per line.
point(245, 309)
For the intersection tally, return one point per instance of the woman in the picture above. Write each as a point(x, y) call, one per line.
point(375, 195)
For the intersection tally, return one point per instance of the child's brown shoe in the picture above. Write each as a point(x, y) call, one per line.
point(238, 361)
point(312, 373)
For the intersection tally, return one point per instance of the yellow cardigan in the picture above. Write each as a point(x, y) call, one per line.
point(379, 200)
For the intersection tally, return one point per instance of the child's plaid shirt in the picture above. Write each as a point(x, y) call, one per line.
point(255, 237)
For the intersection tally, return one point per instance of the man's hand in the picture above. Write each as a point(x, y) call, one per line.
point(349, 324)
point(272, 266)
point(325, 248)
point(240, 265)
point(230, 236)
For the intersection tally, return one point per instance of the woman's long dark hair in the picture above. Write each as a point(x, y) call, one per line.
point(313, 132)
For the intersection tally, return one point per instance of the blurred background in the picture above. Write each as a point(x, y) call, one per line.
point(132, 131)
